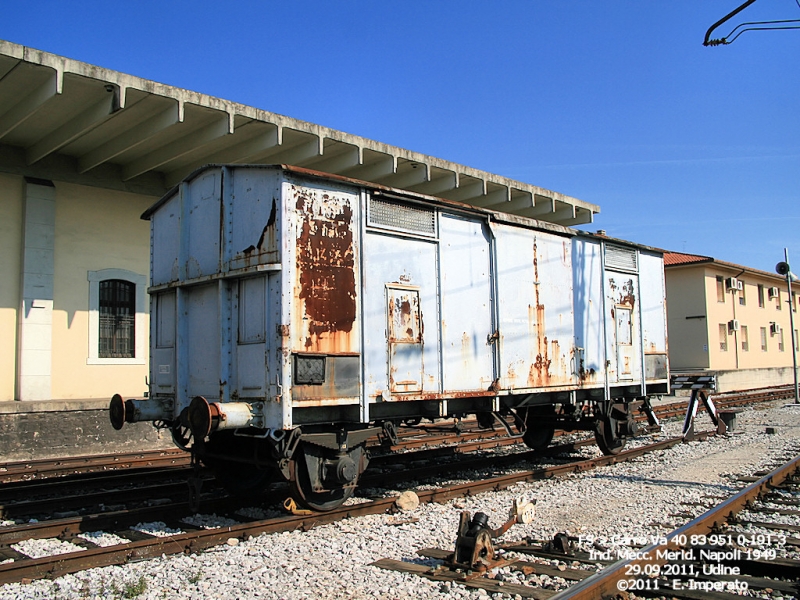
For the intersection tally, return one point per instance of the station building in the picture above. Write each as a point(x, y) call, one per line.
point(731, 321)
point(84, 151)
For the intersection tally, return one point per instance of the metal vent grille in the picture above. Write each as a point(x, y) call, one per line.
point(621, 258)
point(402, 216)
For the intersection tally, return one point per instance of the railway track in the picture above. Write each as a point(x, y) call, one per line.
point(731, 548)
point(727, 550)
point(97, 491)
point(149, 546)
point(143, 546)
point(12, 472)
point(100, 465)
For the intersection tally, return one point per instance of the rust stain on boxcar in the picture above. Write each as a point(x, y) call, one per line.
point(625, 296)
point(325, 263)
point(628, 295)
point(466, 349)
point(586, 376)
point(539, 373)
point(405, 319)
point(266, 248)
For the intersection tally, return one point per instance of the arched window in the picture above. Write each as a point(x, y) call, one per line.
point(117, 308)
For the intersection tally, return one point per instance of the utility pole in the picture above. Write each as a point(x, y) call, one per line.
point(783, 268)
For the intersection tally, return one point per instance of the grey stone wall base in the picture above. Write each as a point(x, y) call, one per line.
point(44, 435)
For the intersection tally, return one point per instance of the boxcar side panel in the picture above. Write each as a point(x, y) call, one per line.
point(401, 317)
point(203, 340)
point(324, 275)
point(165, 232)
point(466, 290)
point(587, 284)
point(162, 346)
point(250, 312)
point(201, 227)
point(254, 218)
point(654, 321)
point(623, 327)
point(534, 281)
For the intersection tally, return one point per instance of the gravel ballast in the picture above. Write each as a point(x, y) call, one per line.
point(644, 497)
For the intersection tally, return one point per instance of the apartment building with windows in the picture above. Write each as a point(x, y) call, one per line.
point(731, 320)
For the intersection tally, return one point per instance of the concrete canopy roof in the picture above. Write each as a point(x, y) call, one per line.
point(68, 120)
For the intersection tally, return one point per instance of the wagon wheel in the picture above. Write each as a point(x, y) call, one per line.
point(485, 420)
point(241, 479)
point(605, 433)
point(300, 468)
point(539, 428)
point(538, 438)
point(181, 435)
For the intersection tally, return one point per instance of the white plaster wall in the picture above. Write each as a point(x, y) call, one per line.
point(11, 195)
point(96, 229)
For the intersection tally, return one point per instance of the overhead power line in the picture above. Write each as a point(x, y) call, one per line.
point(747, 26)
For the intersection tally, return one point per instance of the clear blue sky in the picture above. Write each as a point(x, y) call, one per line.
point(617, 103)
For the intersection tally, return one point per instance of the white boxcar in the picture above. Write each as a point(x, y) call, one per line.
point(295, 313)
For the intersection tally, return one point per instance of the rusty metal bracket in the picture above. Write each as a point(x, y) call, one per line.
point(388, 434)
point(195, 483)
point(474, 551)
point(561, 543)
point(499, 418)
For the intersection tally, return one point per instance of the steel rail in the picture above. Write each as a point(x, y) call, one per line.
point(19, 471)
point(604, 584)
point(58, 565)
point(47, 468)
point(69, 527)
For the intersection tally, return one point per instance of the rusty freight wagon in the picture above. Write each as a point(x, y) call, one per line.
point(294, 314)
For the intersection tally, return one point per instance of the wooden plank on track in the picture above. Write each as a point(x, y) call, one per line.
point(490, 585)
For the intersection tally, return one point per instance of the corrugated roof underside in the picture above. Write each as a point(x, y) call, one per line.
point(103, 124)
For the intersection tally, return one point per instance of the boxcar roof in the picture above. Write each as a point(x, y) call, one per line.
point(401, 194)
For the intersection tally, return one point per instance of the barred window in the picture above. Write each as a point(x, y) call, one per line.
point(117, 310)
point(720, 289)
point(723, 337)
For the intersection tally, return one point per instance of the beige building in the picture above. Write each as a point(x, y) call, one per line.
point(83, 152)
point(730, 320)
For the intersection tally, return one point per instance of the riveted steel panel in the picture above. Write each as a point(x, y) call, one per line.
point(251, 360)
point(587, 285)
point(162, 354)
point(401, 317)
point(325, 296)
point(536, 325)
point(254, 220)
point(201, 225)
point(203, 343)
point(466, 297)
point(623, 327)
point(654, 317)
point(165, 236)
